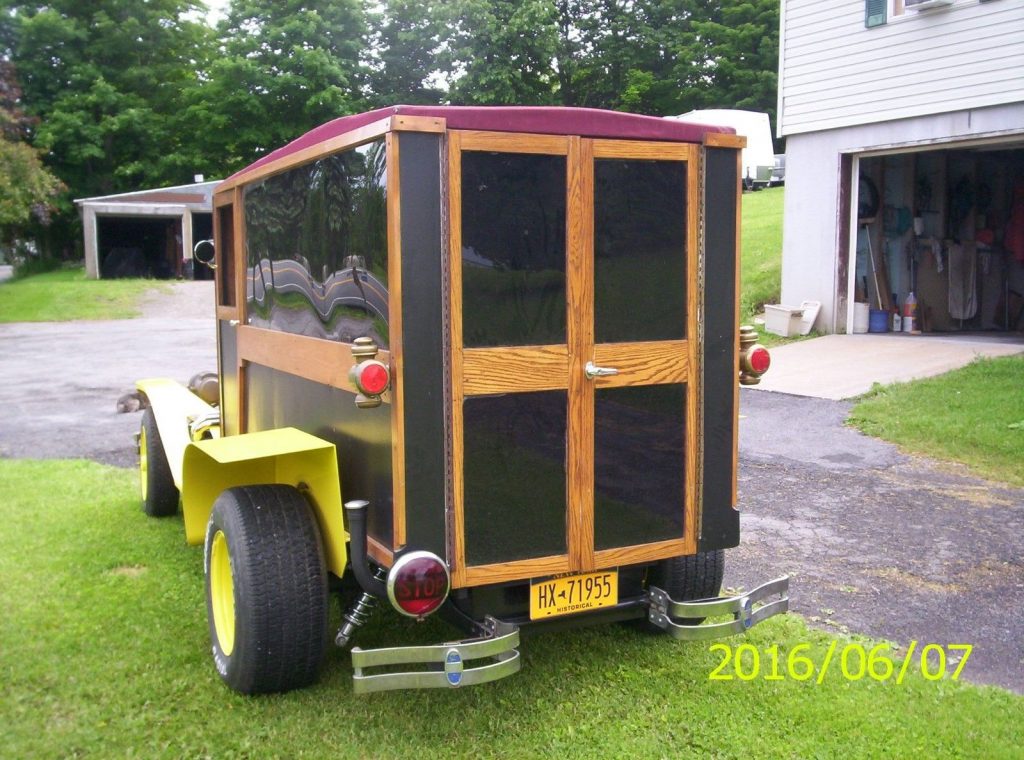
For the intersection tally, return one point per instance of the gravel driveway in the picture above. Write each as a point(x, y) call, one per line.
point(896, 547)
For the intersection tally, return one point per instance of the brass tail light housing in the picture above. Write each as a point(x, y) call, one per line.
point(754, 358)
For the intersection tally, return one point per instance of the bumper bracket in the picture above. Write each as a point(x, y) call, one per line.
point(665, 613)
point(447, 665)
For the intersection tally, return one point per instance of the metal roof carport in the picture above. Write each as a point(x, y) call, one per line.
point(172, 203)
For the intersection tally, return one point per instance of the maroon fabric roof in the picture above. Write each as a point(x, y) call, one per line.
point(586, 122)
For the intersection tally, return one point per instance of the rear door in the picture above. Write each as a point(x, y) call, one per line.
point(573, 335)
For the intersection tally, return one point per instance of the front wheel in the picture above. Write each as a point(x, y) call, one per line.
point(159, 494)
point(266, 589)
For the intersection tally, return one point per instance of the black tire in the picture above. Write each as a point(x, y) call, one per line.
point(277, 586)
point(689, 578)
point(159, 494)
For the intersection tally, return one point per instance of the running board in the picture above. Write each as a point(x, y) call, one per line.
point(447, 664)
point(664, 611)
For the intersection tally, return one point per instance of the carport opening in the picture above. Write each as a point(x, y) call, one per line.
point(139, 247)
point(948, 226)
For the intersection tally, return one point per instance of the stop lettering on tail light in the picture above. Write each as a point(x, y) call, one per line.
point(418, 583)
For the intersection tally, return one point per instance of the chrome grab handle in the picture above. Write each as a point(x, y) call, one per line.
point(592, 371)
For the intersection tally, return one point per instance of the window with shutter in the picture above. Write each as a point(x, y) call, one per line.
point(874, 12)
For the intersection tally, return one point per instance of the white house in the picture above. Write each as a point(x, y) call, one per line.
point(904, 127)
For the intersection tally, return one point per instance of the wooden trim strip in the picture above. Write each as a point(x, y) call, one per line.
point(402, 123)
point(694, 345)
point(512, 142)
point(580, 335)
point(644, 363)
point(238, 224)
point(720, 140)
point(633, 555)
point(226, 313)
point(458, 548)
point(511, 370)
point(379, 552)
point(736, 338)
point(322, 361)
point(643, 150)
point(363, 134)
point(223, 197)
point(394, 233)
point(503, 572)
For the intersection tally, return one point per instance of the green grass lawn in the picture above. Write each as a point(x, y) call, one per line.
point(973, 415)
point(104, 652)
point(761, 241)
point(67, 294)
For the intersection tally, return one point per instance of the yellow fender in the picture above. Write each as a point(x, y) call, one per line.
point(283, 456)
point(174, 407)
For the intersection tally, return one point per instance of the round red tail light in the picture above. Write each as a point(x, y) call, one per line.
point(760, 360)
point(371, 377)
point(418, 583)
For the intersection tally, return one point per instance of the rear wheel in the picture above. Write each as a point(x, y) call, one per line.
point(266, 589)
point(689, 578)
point(159, 494)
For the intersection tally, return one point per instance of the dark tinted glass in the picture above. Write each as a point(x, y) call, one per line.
point(514, 476)
point(639, 250)
point(513, 249)
point(639, 464)
point(316, 247)
point(224, 250)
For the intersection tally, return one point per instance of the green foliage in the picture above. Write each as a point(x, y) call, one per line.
point(970, 415)
point(283, 68)
point(66, 294)
point(403, 64)
point(106, 654)
point(27, 189)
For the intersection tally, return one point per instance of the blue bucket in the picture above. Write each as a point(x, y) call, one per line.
point(878, 321)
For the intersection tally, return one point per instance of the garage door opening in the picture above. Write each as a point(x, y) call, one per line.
point(139, 247)
point(944, 225)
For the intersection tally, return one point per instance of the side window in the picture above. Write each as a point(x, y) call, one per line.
point(225, 255)
point(316, 247)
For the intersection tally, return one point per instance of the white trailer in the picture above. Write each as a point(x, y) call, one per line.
point(759, 155)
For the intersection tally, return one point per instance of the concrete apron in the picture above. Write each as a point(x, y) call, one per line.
point(843, 366)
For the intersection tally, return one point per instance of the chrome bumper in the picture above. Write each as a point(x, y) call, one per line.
point(663, 609)
point(449, 663)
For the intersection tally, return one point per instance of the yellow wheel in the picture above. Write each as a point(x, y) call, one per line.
point(156, 484)
point(266, 589)
point(222, 593)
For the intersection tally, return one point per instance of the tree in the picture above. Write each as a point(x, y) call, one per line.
point(104, 79)
point(27, 189)
point(501, 51)
point(282, 69)
point(403, 54)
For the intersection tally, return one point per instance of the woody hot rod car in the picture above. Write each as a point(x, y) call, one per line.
point(479, 362)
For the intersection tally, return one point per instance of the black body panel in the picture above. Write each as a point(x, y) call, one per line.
point(720, 522)
point(362, 436)
point(423, 328)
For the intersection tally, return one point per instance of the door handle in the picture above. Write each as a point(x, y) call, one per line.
point(592, 371)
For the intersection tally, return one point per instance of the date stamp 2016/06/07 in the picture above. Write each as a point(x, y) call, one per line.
point(852, 661)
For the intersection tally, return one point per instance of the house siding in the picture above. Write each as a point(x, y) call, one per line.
point(835, 72)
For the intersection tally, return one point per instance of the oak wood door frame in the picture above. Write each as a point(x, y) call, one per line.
point(478, 371)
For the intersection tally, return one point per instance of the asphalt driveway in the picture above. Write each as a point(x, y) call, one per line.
point(896, 547)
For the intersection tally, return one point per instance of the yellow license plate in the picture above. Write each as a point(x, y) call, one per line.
point(573, 593)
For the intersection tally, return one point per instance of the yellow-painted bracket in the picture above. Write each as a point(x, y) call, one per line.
point(174, 406)
point(286, 456)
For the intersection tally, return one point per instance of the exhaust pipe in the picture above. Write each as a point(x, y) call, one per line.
point(356, 513)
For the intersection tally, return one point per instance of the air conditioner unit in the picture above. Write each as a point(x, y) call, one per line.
point(923, 5)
